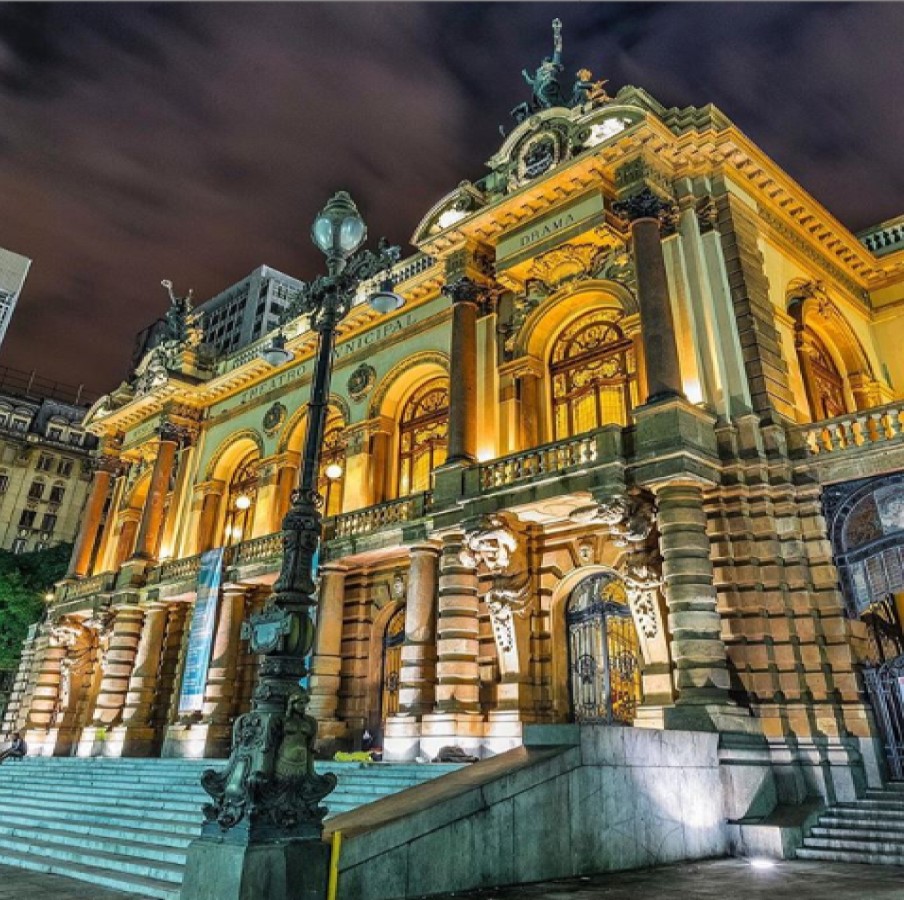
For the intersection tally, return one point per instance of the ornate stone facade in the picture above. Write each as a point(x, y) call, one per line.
point(595, 381)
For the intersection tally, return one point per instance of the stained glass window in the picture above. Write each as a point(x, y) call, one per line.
point(423, 435)
point(594, 375)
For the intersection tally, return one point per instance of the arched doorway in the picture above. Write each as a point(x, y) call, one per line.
point(393, 638)
point(603, 652)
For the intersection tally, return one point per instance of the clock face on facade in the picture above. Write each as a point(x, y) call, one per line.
point(538, 155)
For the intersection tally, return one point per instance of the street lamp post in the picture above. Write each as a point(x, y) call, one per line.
point(262, 829)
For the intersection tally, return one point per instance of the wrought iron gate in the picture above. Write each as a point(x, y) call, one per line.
point(393, 638)
point(604, 652)
point(885, 684)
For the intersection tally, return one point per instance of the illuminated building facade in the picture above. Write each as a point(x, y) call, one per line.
point(630, 453)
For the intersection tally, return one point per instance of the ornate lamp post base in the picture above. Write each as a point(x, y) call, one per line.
point(221, 869)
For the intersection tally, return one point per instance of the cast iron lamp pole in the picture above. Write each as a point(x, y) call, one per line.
point(269, 790)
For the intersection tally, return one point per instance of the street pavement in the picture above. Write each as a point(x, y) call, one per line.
point(726, 879)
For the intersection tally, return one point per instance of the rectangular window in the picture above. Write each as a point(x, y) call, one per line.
point(75, 438)
point(56, 494)
point(4, 483)
point(49, 522)
point(36, 491)
point(27, 519)
point(65, 467)
point(45, 462)
point(55, 433)
point(19, 545)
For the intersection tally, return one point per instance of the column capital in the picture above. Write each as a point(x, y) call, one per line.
point(645, 204)
point(214, 486)
point(464, 290)
point(177, 432)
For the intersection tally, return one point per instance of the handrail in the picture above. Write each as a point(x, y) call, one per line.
point(544, 460)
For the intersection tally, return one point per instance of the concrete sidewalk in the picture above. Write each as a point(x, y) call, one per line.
point(725, 879)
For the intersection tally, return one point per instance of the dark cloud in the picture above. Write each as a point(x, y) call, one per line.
point(196, 141)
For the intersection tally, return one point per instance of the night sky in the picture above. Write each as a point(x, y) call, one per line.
point(197, 141)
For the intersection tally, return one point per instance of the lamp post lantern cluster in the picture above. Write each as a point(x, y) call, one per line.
point(269, 791)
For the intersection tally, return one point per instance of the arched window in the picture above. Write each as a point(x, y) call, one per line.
point(331, 479)
point(594, 375)
point(240, 501)
point(822, 380)
point(423, 435)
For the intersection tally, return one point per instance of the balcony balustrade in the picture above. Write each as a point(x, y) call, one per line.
point(862, 429)
point(549, 459)
point(178, 569)
point(375, 518)
point(259, 549)
point(86, 587)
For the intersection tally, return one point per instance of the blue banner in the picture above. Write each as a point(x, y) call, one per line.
point(200, 637)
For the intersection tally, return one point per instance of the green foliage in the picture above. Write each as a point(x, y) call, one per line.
point(24, 580)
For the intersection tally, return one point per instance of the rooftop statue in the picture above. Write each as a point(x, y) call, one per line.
point(546, 88)
point(178, 316)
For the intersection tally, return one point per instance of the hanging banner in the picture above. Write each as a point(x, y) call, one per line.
point(200, 637)
point(305, 680)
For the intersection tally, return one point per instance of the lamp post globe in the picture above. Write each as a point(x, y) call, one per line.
point(338, 231)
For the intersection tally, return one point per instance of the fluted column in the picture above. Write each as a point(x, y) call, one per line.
point(418, 668)
point(464, 294)
point(106, 553)
point(645, 210)
point(80, 562)
point(221, 674)
point(529, 395)
point(151, 530)
point(286, 483)
point(327, 662)
point(117, 665)
point(140, 739)
point(126, 539)
point(175, 511)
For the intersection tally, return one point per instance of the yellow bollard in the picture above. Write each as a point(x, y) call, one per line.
point(332, 891)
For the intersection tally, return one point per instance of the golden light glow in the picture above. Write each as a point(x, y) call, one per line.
point(692, 390)
point(243, 501)
point(333, 471)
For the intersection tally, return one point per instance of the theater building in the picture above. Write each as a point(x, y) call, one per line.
point(631, 453)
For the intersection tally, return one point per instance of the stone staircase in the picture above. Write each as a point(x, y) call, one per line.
point(867, 830)
point(125, 824)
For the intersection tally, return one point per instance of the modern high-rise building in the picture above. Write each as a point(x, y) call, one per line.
point(13, 269)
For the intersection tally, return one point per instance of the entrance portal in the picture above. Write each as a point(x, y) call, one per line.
point(603, 652)
point(393, 638)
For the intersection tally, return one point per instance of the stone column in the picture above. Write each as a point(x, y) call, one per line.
point(80, 563)
point(530, 393)
point(139, 736)
point(464, 294)
point(326, 664)
point(456, 718)
point(174, 513)
point(116, 667)
point(220, 692)
point(267, 498)
point(697, 648)
point(418, 669)
point(645, 210)
point(211, 493)
point(151, 530)
point(109, 539)
point(287, 482)
point(41, 709)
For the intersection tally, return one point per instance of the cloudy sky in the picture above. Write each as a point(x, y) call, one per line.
point(197, 141)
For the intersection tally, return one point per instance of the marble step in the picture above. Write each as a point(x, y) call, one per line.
point(100, 859)
point(855, 834)
point(165, 832)
point(851, 856)
point(131, 884)
point(883, 803)
point(864, 843)
point(123, 841)
point(88, 817)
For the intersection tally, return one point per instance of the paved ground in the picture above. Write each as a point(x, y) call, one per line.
point(728, 879)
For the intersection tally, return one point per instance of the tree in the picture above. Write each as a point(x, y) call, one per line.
point(24, 580)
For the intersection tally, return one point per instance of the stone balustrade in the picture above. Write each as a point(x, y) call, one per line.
point(885, 238)
point(864, 428)
point(86, 587)
point(383, 515)
point(178, 569)
point(260, 549)
point(548, 459)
